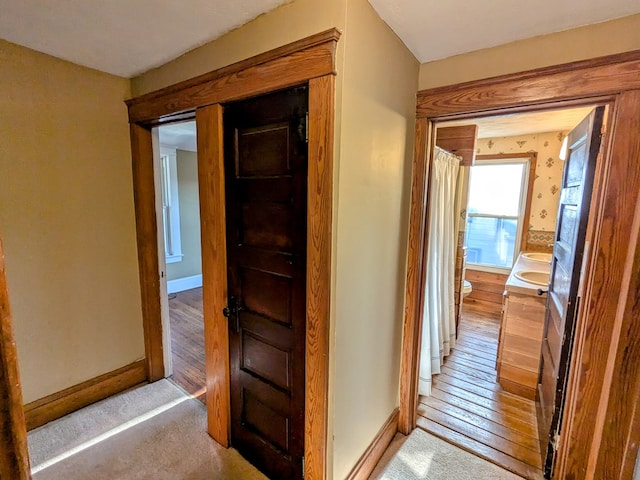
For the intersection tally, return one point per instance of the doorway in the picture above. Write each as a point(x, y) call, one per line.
point(483, 399)
point(180, 256)
point(308, 61)
point(583, 440)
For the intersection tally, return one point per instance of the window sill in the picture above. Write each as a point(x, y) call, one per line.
point(488, 269)
point(174, 258)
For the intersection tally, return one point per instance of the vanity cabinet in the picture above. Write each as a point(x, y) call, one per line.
point(521, 328)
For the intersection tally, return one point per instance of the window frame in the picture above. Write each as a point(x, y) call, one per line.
point(169, 186)
point(529, 159)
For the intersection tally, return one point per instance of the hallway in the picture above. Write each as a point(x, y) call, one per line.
point(468, 408)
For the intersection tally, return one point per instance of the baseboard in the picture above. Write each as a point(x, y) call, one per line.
point(372, 455)
point(69, 400)
point(185, 283)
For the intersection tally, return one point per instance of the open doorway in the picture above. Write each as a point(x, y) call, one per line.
point(483, 396)
point(178, 212)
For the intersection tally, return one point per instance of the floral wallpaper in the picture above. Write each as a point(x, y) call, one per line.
point(546, 186)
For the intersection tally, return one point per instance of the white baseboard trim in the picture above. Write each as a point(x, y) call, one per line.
point(185, 283)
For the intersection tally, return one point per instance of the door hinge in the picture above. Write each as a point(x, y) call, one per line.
point(303, 466)
point(555, 442)
point(306, 127)
point(583, 267)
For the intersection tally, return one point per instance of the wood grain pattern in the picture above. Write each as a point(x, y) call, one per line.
point(214, 268)
point(413, 290)
point(281, 72)
point(487, 290)
point(468, 408)
point(70, 399)
point(590, 78)
point(460, 140)
point(14, 455)
point(604, 381)
point(319, 234)
point(146, 236)
point(372, 455)
point(187, 342)
point(587, 419)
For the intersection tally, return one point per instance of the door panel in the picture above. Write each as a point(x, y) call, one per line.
point(562, 301)
point(266, 178)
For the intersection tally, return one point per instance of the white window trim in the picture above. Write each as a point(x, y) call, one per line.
point(170, 204)
point(520, 218)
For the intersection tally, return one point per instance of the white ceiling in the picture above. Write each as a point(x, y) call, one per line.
point(123, 37)
point(435, 29)
point(179, 135)
point(526, 123)
point(128, 37)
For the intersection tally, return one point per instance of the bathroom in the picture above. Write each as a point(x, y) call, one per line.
point(488, 396)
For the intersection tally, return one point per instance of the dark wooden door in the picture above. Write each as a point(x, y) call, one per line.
point(563, 296)
point(266, 190)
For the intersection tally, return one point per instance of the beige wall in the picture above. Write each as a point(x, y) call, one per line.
point(191, 264)
point(67, 220)
point(379, 84)
point(285, 24)
point(582, 43)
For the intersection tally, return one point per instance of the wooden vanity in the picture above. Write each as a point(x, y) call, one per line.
point(521, 326)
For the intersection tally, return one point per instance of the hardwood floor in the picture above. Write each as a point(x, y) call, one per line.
point(187, 342)
point(468, 408)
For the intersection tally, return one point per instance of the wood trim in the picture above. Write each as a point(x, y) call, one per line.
point(248, 79)
point(571, 81)
point(319, 236)
point(606, 380)
point(601, 378)
point(146, 231)
point(73, 398)
point(14, 455)
point(372, 455)
point(533, 159)
point(280, 68)
point(214, 269)
point(413, 295)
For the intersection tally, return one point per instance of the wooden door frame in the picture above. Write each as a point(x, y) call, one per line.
point(600, 427)
point(308, 61)
point(14, 455)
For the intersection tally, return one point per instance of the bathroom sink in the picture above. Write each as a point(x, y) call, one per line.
point(533, 276)
point(538, 256)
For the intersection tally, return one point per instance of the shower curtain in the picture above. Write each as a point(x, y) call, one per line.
point(438, 315)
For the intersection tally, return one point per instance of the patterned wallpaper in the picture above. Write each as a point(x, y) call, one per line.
point(546, 187)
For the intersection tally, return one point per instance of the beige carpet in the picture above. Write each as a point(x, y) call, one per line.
point(421, 456)
point(154, 432)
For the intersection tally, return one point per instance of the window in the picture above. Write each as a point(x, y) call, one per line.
point(170, 205)
point(495, 211)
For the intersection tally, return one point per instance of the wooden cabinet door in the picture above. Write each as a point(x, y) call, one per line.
point(266, 191)
point(562, 300)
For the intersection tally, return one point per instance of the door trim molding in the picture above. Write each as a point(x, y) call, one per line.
point(601, 367)
point(312, 61)
point(14, 455)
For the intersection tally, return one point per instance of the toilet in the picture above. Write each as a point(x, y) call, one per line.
point(467, 288)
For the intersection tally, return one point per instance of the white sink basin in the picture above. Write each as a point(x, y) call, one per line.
point(538, 256)
point(533, 276)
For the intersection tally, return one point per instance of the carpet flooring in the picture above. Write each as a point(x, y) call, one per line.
point(421, 456)
point(154, 432)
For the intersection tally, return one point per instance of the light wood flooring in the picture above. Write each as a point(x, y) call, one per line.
point(187, 342)
point(468, 408)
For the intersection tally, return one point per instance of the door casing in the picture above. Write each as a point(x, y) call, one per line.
point(309, 61)
point(600, 428)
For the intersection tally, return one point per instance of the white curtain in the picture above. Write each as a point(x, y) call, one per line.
point(438, 315)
